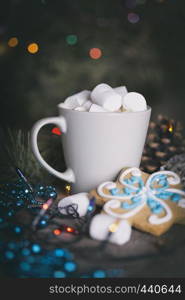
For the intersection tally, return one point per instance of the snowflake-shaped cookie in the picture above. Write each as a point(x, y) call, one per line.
point(151, 203)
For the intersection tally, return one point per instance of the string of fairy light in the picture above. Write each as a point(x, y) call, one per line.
point(94, 53)
point(71, 39)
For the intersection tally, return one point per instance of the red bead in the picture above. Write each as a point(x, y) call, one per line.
point(56, 131)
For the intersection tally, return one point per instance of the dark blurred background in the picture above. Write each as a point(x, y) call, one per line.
point(46, 53)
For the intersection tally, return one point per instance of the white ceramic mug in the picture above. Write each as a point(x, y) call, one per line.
point(96, 145)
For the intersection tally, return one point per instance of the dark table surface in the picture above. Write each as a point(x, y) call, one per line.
point(144, 255)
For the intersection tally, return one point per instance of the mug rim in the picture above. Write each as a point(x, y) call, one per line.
point(105, 113)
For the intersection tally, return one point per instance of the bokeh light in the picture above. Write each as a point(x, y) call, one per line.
point(95, 53)
point(25, 266)
point(59, 252)
point(45, 206)
point(13, 42)
point(113, 227)
point(25, 252)
point(33, 48)
point(133, 18)
point(59, 274)
point(70, 266)
point(57, 232)
point(36, 248)
point(9, 254)
point(17, 229)
point(99, 274)
point(68, 188)
point(70, 229)
point(71, 39)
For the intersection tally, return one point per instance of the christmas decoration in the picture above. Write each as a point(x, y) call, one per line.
point(165, 139)
point(20, 255)
point(16, 150)
point(151, 203)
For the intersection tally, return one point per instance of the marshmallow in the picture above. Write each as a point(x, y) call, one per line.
point(96, 108)
point(121, 90)
point(87, 104)
point(80, 108)
point(80, 199)
point(102, 87)
point(134, 102)
point(63, 105)
point(100, 227)
point(106, 97)
point(76, 99)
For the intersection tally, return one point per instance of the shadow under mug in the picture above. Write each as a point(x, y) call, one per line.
point(96, 145)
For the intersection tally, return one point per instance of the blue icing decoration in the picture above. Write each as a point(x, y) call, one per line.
point(127, 181)
point(163, 182)
point(126, 205)
point(158, 209)
point(114, 191)
point(136, 199)
point(135, 179)
point(141, 184)
point(160, 179)
point(164, 195)
point(128, 191)
point(151, 203)
point(175, 197)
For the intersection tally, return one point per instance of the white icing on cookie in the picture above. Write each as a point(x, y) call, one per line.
point(145, 192)
point(110, 185)
point(131, 171)
point(172, 177)
point(156, 220)
point(102, 194)
point(112, 204)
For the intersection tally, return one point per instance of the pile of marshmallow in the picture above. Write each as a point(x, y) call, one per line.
point(100, 223)
point(104, 98)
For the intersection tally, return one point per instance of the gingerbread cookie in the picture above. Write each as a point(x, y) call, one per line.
point(151, 203)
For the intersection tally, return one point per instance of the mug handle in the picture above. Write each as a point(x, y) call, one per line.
point(68, 175)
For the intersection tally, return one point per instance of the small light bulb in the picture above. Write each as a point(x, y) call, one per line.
point(13, 42)
point(70, 229)
point(113, 227)
point(45, 206)
point(57, 231)
point(33, 48)
point(95, 53)
point(68, 188)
